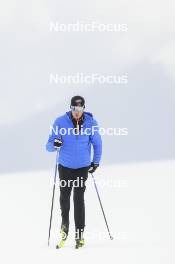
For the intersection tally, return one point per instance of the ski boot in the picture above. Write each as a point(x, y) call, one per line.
point(64, 233)
point(79, 243)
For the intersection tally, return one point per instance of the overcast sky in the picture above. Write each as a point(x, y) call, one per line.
point(30, 52)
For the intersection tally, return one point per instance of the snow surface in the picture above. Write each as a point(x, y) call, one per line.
point(139, 208)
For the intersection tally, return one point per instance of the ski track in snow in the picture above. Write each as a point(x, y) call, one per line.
point(139, 210)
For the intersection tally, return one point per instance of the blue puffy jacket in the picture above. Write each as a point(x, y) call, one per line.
point(75, 151)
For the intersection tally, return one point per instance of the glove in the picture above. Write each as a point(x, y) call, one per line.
point(57, 143)
point(93, 167)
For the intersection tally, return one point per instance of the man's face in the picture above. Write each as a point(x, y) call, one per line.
point(77, 115)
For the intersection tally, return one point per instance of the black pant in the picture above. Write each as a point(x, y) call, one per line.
point(73, 179)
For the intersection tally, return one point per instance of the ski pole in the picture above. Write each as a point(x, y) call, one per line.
point(53, 194)
point(101, 206)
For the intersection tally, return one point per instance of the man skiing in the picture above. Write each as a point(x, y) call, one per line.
point(73, 134)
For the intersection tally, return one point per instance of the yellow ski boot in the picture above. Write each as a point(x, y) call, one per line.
point(63, 239)
point(79, 243)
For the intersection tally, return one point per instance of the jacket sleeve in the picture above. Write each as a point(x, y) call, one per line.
point(54, 133)
point(96, 141)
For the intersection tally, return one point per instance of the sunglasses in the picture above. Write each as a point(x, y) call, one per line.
point(77, 108)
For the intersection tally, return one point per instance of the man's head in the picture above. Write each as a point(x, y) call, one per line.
point(77, 106)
